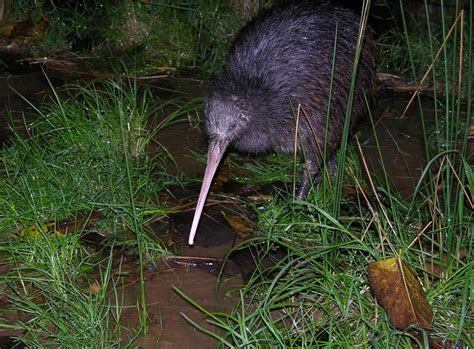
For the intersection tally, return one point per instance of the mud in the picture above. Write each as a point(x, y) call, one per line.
point(400, 140)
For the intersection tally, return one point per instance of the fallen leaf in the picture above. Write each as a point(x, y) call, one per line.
point(219, 181)
point(83, 221)
point(242, 226)
point(95, 288)
point(221, 178)
point(400, 293)
point(35, 231)
point(7, 29)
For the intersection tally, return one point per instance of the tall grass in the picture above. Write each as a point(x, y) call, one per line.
point(54, 308)
point(87, 151)
point(318, 294)
point(75, 156)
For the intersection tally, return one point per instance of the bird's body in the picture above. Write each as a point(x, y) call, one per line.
point(292, 62)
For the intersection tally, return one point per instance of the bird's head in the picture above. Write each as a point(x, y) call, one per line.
point(225, 117)
point(225, 120)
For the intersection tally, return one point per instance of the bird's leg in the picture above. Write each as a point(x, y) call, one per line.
point(331, 166)
point(310, 171)
point(312, 176)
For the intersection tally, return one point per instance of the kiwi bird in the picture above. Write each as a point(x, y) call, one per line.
point(297, 57)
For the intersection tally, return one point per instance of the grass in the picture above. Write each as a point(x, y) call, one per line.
point(195, 34)
point(269, 168)
point(407, 49)
point(86, 152)
point(318, 294)
point(89, 151)
point(44, 287)
point(75, 155)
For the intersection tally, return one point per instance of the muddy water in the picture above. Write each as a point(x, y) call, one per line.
point(400, 142)
point(181, 140)
point(196, 277)
point(400, 148)
point(167, 327)
point(14, 89)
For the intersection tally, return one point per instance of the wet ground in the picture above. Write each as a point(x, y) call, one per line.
point(14, 89)
point(400, 143)
point(398, 139)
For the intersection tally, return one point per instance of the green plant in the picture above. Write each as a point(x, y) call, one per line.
point(87, 151)
point(44, 285)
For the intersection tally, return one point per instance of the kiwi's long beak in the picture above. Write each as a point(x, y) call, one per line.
point(214, 155)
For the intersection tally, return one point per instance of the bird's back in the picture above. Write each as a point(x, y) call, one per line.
point(286, 45)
